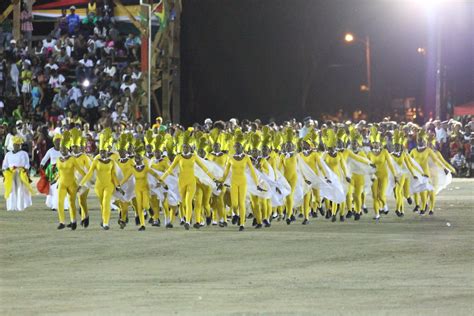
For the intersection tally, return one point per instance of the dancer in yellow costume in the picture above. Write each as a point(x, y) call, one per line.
point(313, 160)
point(289, 165)
point(237, 164)
point(336, 163)
point(84, 162)
point(431, 143)
point(186, 180)
point(381, 158)
point(126, 167)
point(267, 161)
point(356, 186)
point(220, 158)
point(258, 203)
point(400, 156)
point(161, 163)
point(202, 198)
point(422, 155)
point(140, 171)
point(67, 185)
point(106, 180)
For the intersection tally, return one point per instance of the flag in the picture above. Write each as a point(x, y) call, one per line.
point(160, 13)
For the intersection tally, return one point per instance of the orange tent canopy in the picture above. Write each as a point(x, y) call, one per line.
point(464, 109)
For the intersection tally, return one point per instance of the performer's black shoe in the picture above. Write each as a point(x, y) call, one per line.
point(349, 214)
point(86, 222)
point(288, 221)
point(356, 216)
point(61, 226)
point(409, 200)
point(69, 225)
point(321, 211)
point(341, 218)
point(416, 209)
point(300, 215)
point(402, 214)
point(328, 215)
point(234, 219)
point(54, 210)
point(156, 224)
point(73, 226)
point(241, 228)
point(334, 218)
point(385, 212)
point(169, 225)
point(150, 220)
point(121, 224)
point(292, 218)
point(137, 220)
point(431, 213)
point(221, 224)
point(250, 215)
point(182, 222)
point(366, 210)
point(197, 225)
point(105, 227)
point(208, 220)
point(305, 222)
point(254, 222)
point(186, 226)
point(397, 213)
point(258, 226)
point(266, 223)
point(142, 228)
point(422, 212)
point(119, 217)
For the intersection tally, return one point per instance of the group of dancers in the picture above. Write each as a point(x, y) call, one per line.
point(198, 178)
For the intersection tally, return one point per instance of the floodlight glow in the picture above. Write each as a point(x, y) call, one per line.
point(349, 37)
point(86, 83)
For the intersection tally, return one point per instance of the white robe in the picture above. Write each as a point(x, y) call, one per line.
point(20, 197)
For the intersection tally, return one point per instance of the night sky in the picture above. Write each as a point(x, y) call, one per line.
point(253, 58)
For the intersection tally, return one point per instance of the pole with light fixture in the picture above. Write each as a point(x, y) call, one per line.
point(349, 37)
point(146, 4)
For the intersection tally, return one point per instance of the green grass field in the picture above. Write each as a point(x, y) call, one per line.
point(415, 265)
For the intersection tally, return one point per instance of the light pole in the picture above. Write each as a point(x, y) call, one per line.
point(349, 38)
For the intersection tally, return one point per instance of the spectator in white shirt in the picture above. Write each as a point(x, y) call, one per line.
point(110, 69)
point(128, 84)
point(75, 93)
point(84, 68)
point(51, 65)
point(56, 80)
point(118, 114)
point(89, 101)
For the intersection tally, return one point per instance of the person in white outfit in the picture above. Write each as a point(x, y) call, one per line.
point(15, 167)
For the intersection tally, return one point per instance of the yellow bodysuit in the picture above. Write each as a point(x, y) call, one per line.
point(186, 180)
point(67, 185)
point(105, 184)
point(84, 162)
point(337, 164)
point(379, 186)
point(238, 183)
point(217, 201)
point(142, 189)
point(289, 171)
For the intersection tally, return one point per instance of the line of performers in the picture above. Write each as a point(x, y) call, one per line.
point(210, 178)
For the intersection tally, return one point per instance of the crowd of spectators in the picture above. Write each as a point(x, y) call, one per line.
point(84, 71)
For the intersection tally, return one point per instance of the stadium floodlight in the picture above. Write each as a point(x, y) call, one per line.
point(86, 83)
